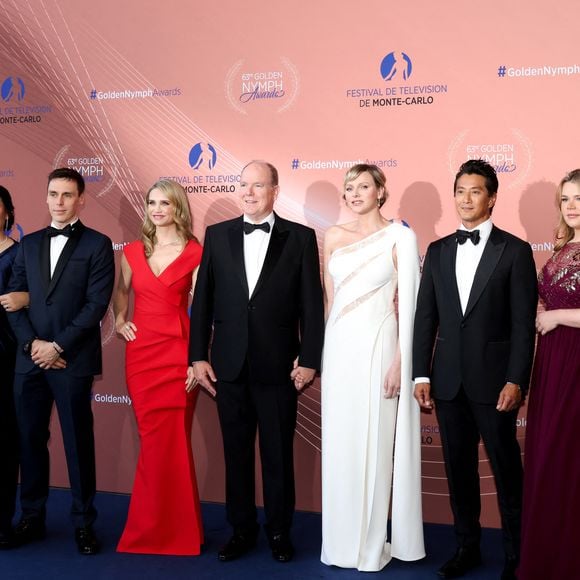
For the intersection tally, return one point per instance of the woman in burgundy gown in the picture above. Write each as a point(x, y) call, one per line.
point(164, 513)
point(551, 513)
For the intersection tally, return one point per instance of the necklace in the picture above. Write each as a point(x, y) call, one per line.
point(172, 243)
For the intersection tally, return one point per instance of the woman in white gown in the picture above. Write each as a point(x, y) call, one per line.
point(370, 421)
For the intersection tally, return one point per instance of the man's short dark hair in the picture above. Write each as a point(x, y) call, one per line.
point(483, 168)
point(70, 174)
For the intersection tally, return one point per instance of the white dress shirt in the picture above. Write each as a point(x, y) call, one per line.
point(255, 248)
point(468, 258)
point(57, 244)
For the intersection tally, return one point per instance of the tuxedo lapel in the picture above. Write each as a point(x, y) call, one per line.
point(236, 239)
point(66, 253)
point(448, 259)
point(489, 259)
point(277, 241)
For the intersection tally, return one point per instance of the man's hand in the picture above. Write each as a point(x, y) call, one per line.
point(510, 398)
point(302, 376)
point(204, 375)
point(422, 395)
point(44, 355)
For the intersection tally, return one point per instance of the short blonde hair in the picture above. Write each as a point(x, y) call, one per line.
point(375, 172)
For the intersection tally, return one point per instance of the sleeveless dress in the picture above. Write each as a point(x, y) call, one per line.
point(164, 513)
point(369, 442)
point(551, 509)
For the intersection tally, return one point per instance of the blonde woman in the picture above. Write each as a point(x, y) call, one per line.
point(552, 464)
point(164, 514)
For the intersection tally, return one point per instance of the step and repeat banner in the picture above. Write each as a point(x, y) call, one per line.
point(131, 92)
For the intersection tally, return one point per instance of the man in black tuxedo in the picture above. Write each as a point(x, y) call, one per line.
point(472, 354)
point(259, 287)
point(68, 270)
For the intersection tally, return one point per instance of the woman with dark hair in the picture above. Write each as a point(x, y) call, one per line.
point(8, 428)
point(370, 421)
point(551, 507)
point(164, 514)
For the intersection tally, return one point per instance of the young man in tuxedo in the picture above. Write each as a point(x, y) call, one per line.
point(472, 355)
point(68, 271)
point(259, 287)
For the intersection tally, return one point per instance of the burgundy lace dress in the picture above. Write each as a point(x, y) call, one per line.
point(551, 514)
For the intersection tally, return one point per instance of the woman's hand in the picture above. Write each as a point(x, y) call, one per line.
point(126, 330)
point(392, 383)
point(190, 381)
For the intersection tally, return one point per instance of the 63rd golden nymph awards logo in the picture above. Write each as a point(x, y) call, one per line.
point(258, 86)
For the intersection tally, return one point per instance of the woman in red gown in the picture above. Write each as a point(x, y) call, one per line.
point(164, 513)
point(551, 510)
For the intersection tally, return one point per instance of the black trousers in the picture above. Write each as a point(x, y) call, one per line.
point(461, 423)
point(244, 407)
point(34, 396)
point(8, 442)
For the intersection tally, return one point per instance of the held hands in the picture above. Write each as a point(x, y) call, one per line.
point(392, 385)
point(126, 330)
point(422, 395)
point(510, 398)
point(44, 355)
point(203, 374)
point(302, 376)
point(546, 321)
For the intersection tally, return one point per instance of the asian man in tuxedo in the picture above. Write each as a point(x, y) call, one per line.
point(68, 271)
point(472, 355)
point(259, 289)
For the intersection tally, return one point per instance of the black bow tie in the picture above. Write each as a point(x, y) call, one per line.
point(67, 231)
point(463, 235)
point(249, 228)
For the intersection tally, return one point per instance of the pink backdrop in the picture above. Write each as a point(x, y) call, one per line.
point(125, 91)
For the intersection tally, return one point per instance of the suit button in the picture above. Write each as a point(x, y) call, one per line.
point(462, 325)
point(250, 307)
point(49, 302)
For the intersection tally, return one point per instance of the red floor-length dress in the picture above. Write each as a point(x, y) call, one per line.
point(164, 513)
point(551, 513)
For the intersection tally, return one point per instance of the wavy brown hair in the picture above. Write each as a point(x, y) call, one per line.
point(181, 217)
point(564, 233)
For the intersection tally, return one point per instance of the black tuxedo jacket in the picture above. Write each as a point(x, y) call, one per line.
point(281, 320)
point(493, 342)
point(69, 307)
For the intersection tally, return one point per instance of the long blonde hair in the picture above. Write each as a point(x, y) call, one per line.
point(181, 216)
point(564, 233)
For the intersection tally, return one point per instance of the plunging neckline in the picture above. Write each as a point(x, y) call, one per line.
point(158, 276)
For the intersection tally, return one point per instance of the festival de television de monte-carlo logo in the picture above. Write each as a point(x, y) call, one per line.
point(203, 161)
point(13, 110)
point(398, 71)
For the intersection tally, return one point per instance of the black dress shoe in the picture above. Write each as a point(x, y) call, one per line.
point(509, 569)
point(465, 559)
point(7, 539)
point(237, 546)
point(282, 548)
point(86, 540)
point(29, 530)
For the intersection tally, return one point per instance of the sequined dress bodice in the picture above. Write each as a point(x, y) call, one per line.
point(559, 279)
